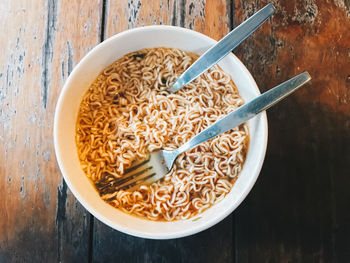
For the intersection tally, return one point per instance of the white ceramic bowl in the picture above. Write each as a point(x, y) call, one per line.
point(66, 114)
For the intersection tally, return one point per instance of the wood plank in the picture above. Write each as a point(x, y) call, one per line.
point(212, 245)
point(212, 18)
point(122, 15)
point(40, 219)
point(299, 209)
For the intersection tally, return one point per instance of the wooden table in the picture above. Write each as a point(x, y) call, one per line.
point(299, 209)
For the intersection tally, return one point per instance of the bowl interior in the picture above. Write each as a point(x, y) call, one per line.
point(66, 114)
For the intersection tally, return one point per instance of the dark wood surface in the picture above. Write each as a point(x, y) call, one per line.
point(299, 209)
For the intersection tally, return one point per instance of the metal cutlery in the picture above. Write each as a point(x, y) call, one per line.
point(223, 47)
point(160, 162)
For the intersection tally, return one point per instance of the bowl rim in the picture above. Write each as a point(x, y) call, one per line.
point(103, 218)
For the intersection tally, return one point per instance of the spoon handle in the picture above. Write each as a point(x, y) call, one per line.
point(223, 47)
point(247, 111)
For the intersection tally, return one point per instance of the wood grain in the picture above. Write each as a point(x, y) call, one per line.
point(112, 246)
point(40, 219)
point(209, 17)
point(126, 14)
point(299, 209)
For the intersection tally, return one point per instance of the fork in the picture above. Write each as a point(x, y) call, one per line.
point(160, 162)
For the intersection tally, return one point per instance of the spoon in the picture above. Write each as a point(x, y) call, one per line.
point(223, 47)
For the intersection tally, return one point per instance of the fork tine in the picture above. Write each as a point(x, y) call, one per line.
point(136, 180)
point(146, 171)
point(141, 171)
point(129, 185)
point(136, 165)
point(123, 179)
point(157, 170)
point(132, 171)
point(109, 182)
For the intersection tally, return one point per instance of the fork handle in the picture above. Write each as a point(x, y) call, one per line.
point(247, 111)
point(223, 47)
